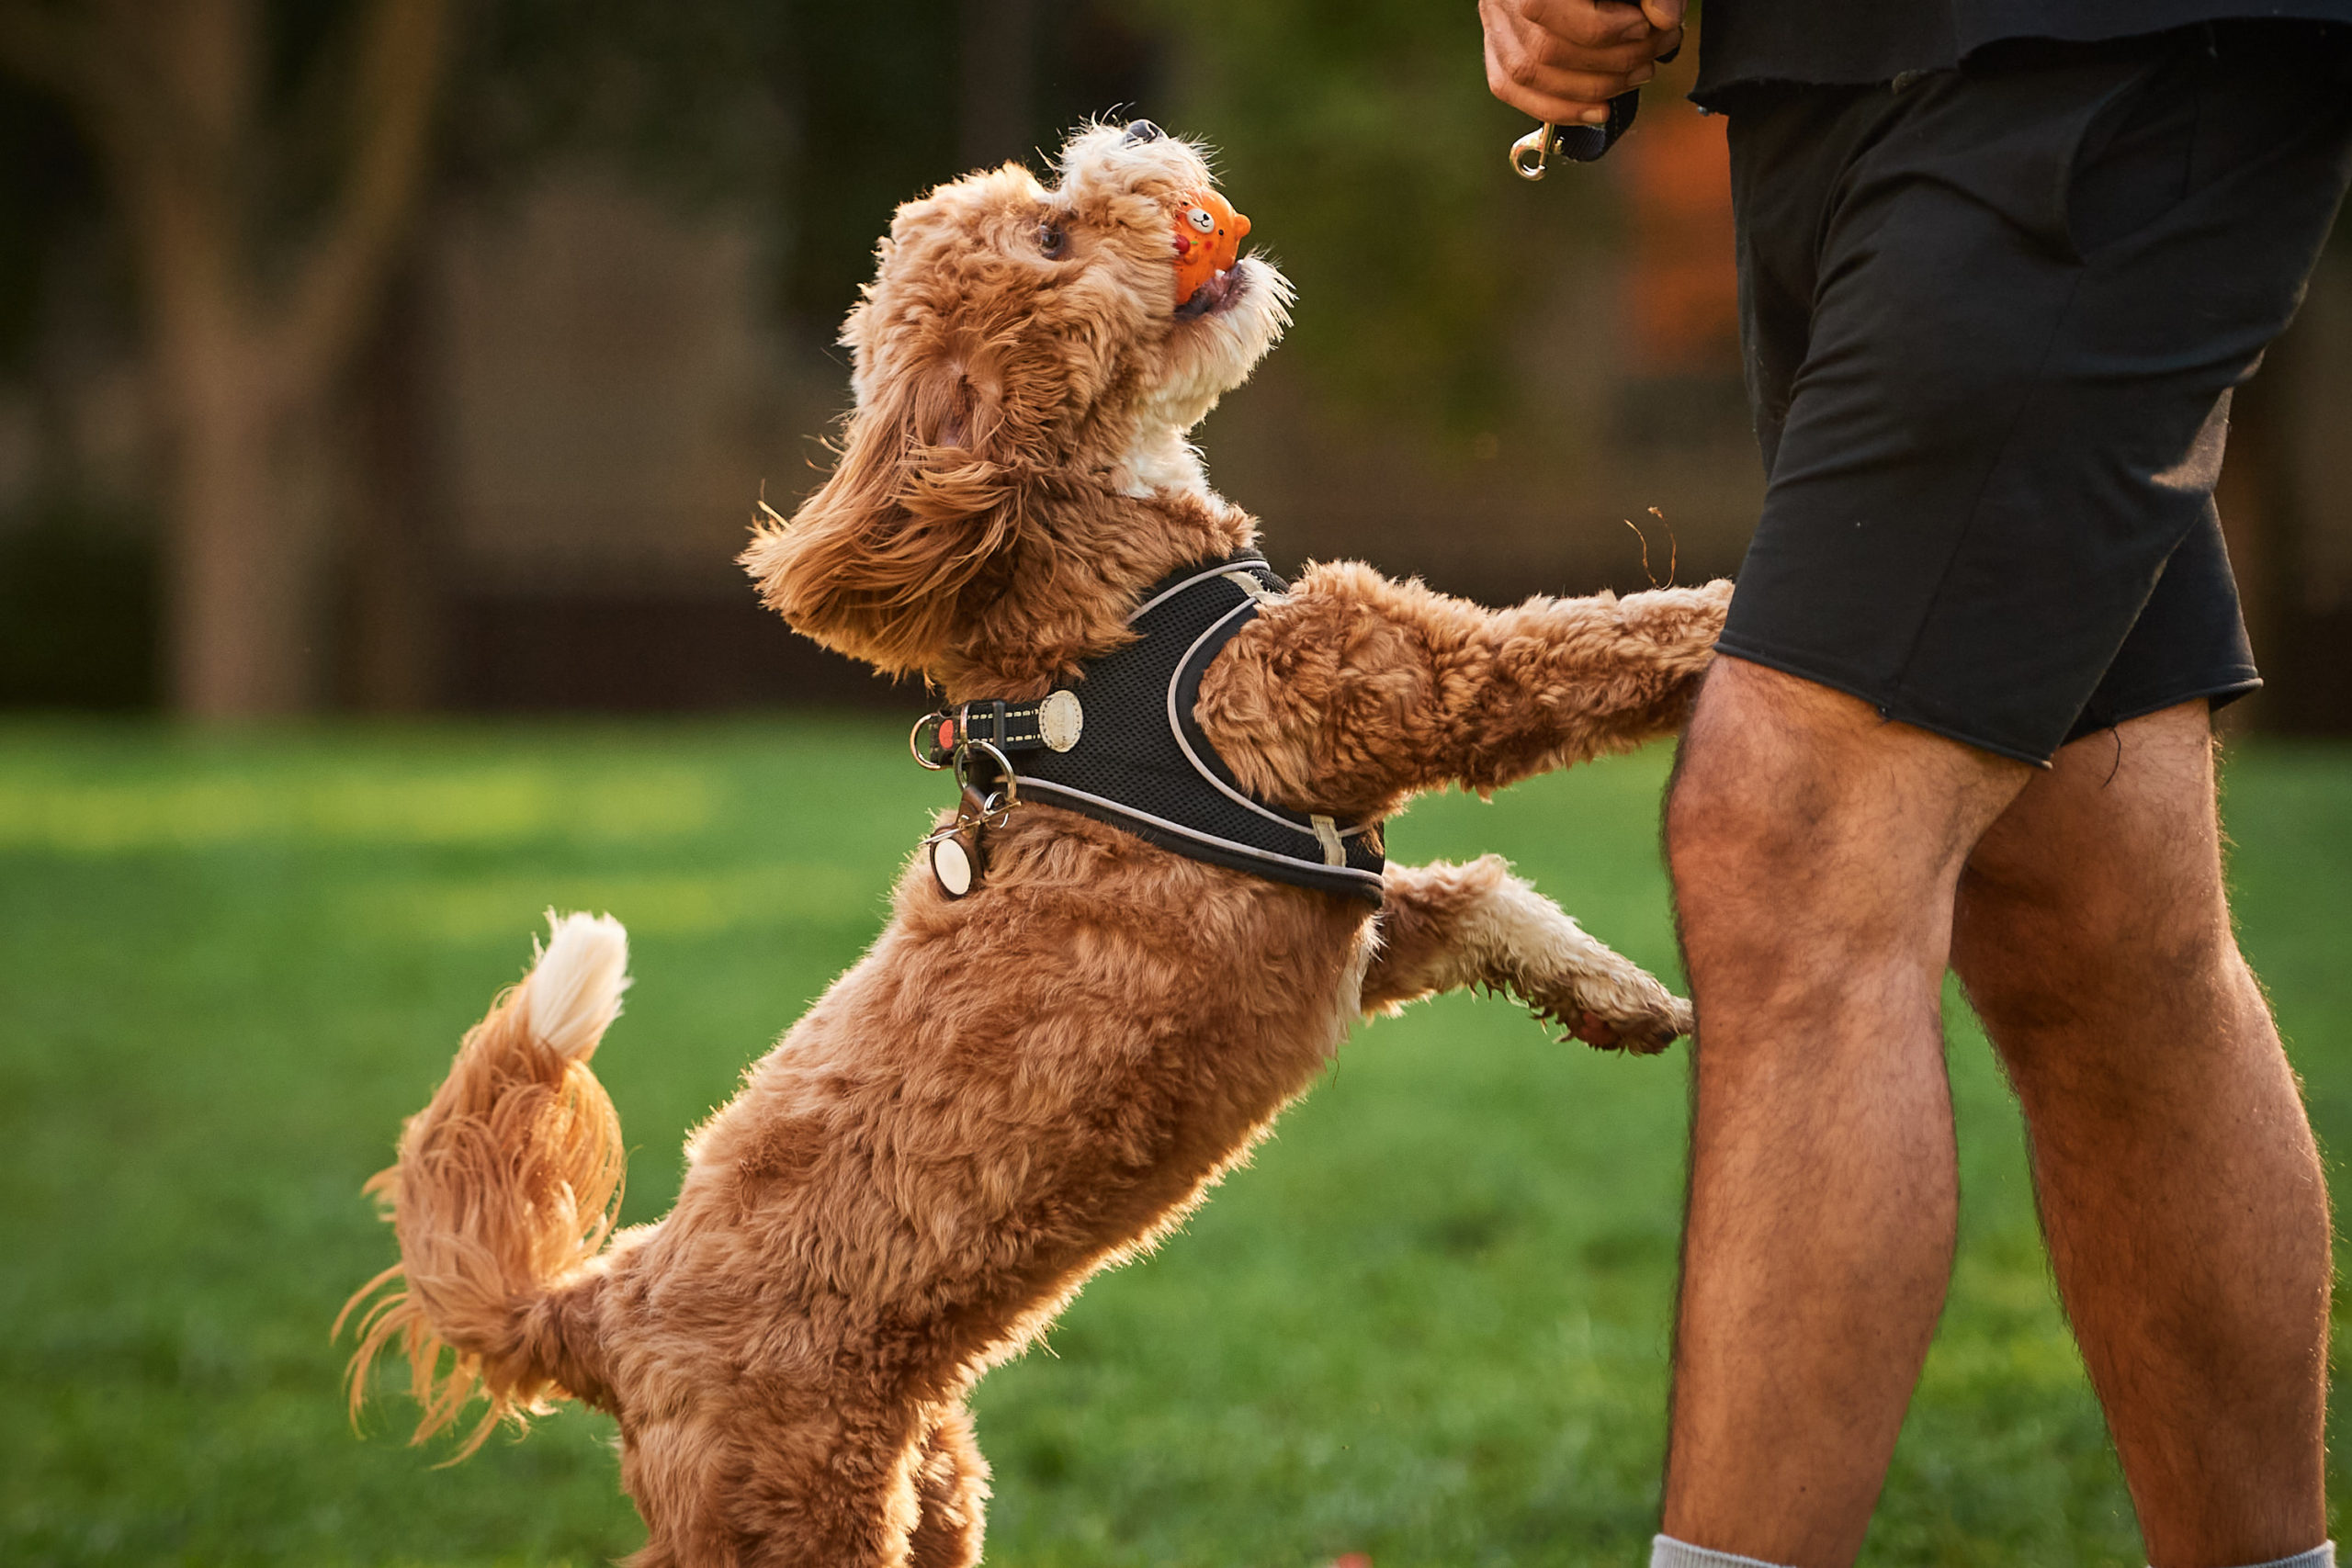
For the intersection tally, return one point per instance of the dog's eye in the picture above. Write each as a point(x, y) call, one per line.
point(1053, 239)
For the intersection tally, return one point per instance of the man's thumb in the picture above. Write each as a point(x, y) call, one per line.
point(1665, 14)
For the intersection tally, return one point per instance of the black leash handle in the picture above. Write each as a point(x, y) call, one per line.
point(1577, 143)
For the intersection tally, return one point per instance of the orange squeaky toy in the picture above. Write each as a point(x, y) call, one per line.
point(1208, 240)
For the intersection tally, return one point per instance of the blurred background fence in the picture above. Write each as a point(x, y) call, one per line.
point(423, 354)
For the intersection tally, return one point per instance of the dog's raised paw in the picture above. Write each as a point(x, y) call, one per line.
point(1644, 1030)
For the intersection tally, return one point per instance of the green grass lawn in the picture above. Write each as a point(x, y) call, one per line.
point(1428, 1323)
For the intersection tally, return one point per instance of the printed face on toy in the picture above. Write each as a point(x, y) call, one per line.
point(1111, 304)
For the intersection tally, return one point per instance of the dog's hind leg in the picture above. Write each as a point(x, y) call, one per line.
point(833, 1483)
point(1442, 926)
point(952, 1488)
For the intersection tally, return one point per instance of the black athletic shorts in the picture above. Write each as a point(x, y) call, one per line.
point(1992, 318)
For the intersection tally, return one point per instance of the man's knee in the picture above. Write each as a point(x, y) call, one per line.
point(1788, 792)
point(1755, 776)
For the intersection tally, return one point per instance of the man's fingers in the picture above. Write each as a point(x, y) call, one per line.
point(1616, 59)
point(1549, 89)
point(1595, 24)
point(1516, 38)
point(1665, 16)
point(1569, 108)
point(1557, 95)
point(1563, 59)
point(1553, 111)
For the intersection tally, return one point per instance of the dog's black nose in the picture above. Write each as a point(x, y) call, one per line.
point(1143, 130)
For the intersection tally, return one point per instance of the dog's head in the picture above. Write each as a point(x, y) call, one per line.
point(1021, 364)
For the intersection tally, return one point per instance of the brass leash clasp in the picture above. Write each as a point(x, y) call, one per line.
point(1000, 802)
point(1529, 152)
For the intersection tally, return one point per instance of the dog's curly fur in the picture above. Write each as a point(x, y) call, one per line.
point(1016, 1088)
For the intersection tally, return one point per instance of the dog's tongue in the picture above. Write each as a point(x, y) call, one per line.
point(1208, 240)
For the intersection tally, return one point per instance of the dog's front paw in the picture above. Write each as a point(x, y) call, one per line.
point(1643, 1032)
point(1527, 945)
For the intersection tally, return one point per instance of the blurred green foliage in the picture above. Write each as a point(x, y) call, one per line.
point(817, 116)
point(1364, 131)
point(1364, 135)
point(875, 97)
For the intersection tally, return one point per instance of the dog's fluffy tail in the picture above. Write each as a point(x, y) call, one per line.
point(505, 1192)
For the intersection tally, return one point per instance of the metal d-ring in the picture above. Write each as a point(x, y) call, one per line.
point(929, 720)
point(1003, 767)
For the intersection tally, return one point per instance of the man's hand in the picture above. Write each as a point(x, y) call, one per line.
point(1562, 60)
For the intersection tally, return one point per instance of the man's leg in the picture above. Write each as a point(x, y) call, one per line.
point(2179, 1189)
point(1815, 849)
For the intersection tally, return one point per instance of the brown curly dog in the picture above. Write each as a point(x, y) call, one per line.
point(1014, 1089)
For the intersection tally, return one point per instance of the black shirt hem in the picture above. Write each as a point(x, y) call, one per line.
point(1880, 47)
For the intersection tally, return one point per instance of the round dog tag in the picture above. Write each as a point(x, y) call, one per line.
point(952, 867)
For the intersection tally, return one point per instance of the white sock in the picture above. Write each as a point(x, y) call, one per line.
point(1667, 1553)
point(2320, 1556)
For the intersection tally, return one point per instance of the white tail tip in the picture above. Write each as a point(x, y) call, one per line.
point(574, 989)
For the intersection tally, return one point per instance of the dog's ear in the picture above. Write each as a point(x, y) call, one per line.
point(956, 407)
point(877, 564)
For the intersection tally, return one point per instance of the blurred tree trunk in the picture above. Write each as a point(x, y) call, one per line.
point(252, 317)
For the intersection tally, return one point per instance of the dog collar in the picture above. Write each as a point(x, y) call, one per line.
point(1119, 743)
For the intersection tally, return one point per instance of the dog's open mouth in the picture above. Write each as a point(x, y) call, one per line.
point(1220, 290)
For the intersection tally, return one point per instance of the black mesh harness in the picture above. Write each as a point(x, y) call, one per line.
point(1120, 744)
